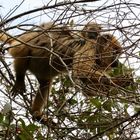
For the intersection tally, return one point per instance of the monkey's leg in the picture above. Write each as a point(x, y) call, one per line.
point(41, 100)
point(20, 65)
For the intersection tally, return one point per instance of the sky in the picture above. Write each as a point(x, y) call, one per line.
point(9, 5)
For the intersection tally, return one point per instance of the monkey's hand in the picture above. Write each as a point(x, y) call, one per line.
point(19, 87)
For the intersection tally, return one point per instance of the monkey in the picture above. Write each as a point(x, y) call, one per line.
point(50, 50)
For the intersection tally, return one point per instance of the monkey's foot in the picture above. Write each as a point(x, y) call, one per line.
point(43, 119)
point(40, 117)
point(18, 88)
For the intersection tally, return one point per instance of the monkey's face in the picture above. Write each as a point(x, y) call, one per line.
point(91, 31)
point(107, 51)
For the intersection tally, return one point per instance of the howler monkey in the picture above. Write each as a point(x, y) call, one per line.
point(50, 50)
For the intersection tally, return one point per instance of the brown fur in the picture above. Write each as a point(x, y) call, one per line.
point(43, 50)
point(32, 51)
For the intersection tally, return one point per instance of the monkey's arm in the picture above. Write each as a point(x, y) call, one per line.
point(21, 63)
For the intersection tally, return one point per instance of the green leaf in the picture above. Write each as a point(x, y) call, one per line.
point(31, 127)
point(72, 102)
point(1, 117)
point(138, 80)
point(22, 122)
point(22, 137)
point(107, 105)
point(137, 108)
point(96, 102)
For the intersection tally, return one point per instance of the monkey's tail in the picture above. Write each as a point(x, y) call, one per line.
point(4, 37)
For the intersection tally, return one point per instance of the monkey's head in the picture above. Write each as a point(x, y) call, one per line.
point(107, 51)
point(91, 30)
